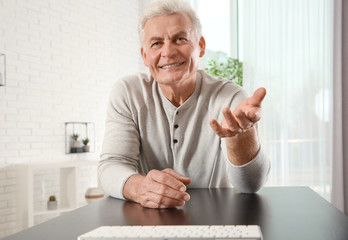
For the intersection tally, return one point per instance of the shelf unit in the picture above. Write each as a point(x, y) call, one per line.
point(25, 173)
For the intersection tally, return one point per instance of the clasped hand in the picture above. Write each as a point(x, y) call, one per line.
point(160, 189)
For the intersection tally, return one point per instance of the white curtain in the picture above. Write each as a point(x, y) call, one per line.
point(340, 120)
point(288, 49)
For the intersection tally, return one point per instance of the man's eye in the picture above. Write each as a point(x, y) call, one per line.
point(181, 39)
point(155, 44)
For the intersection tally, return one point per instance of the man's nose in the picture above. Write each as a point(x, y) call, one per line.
point(168, 50)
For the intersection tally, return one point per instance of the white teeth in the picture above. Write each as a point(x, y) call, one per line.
point(172, 65)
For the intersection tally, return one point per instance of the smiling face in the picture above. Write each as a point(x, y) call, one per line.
point(171, 50)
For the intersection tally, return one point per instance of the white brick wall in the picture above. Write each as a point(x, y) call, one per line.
point(62, 58)
point(7, 203)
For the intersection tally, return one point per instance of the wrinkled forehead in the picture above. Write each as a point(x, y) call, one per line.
point(168, 25)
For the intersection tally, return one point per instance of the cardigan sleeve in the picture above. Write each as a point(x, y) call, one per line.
point(120, 150)
point(248, 178)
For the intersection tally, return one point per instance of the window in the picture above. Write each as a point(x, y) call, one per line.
point(219, 28)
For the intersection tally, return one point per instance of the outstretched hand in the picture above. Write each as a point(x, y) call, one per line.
point(243, 117)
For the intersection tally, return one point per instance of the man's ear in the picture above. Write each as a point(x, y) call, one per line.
point(143, 55)
point(202, 46)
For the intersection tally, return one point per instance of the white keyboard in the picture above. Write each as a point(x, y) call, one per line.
point(241, 232)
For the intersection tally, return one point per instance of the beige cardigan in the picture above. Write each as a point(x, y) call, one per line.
point(145, 131)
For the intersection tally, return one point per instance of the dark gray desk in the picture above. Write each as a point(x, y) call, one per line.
point(282, 213)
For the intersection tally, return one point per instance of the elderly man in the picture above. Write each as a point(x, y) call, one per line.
point(163, 130)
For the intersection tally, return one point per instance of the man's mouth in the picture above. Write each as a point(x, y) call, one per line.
point(172, 65)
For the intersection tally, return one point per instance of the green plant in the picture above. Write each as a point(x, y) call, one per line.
point(52, 198)
point(75, 137)
point(231, 70)
point(85, 141)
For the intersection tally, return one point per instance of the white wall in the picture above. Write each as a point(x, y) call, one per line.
point(62, 58)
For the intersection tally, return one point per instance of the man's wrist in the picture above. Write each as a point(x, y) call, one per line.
point(131, 187)
point(243, 148)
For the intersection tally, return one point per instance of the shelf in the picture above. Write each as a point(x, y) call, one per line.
point(84, 130)
point(68, 189)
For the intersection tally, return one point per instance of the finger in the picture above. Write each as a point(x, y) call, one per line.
point(258, 97)
point(150, 204)
point(221, 132)
point(167, 191)
point(243, 121)
point(154, 200)
point(178, 176)
point(231, 120)
point(164, 178)
point(160, 195)
point(167, 201)
point(254, 115)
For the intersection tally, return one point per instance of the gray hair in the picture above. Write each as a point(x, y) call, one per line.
point(169, 7)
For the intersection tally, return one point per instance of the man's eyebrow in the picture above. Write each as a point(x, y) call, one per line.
point(180, 33)
point(156, 38)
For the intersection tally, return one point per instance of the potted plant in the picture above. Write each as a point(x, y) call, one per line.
point(85, 144)
point(75, 144)
point(232, 69)
point(52, 203)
